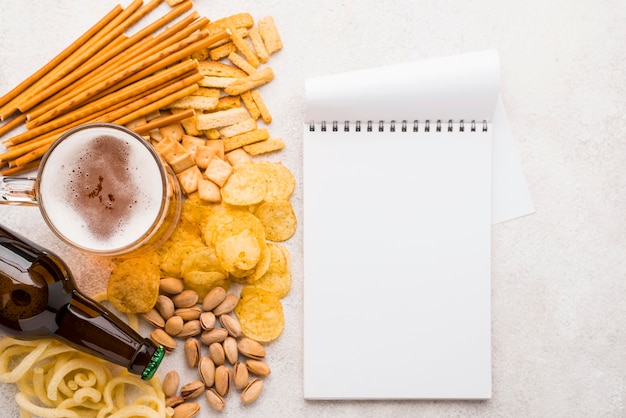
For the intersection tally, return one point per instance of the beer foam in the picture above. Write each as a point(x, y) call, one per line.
point(101, 188)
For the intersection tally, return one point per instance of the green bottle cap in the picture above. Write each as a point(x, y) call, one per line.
point(152, 367)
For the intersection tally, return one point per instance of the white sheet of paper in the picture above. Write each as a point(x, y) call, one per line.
point(397, 265)
point(397, 229)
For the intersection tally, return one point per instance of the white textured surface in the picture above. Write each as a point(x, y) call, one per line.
point(559, 275)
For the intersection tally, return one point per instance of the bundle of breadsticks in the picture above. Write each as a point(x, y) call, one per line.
point(145, 81)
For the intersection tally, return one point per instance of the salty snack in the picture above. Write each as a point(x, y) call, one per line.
point(54, 380)
point(278, 219)
point(133, 286)
point(260, 314)
point(247, 185)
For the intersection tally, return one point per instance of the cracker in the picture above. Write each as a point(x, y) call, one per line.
point(263, 147)
point(258, 45)
point(250, 82)
point(228, 102)
point(270, 35)
point(222, 118)
point(209, 191)
point(260, 103)
point(216, 82)
point(246, 138)
point(222, 51)
point(195, 102)
point(245, 49)
point(219, 69)
point(241, 62)
point(238, 128)
point(248, 102)
point(189, 179)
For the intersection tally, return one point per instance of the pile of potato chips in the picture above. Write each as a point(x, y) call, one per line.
point(234, 241)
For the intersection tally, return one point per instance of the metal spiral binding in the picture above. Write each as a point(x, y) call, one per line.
point(404, 126)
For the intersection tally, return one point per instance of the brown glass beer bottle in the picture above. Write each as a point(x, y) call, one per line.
point(39, 298)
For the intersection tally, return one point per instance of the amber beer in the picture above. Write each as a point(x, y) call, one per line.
point(39, 298)
point(104, 189)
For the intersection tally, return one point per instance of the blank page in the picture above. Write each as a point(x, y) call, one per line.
point(397, 264)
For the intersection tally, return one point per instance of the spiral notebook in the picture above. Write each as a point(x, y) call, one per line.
point(397, 224)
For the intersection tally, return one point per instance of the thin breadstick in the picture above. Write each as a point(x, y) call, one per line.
point(16, 91)
point(158, 104)
point(28, 136)
point(18, 169)
point(102, 57)
point(12, 124)
point(155, 62)
point(36, 153)
point(131, 90)
point(36, 149)
point(163, 121)
point(115, 27)
point(158, 45)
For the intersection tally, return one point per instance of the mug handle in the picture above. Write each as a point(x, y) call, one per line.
point(18, 191)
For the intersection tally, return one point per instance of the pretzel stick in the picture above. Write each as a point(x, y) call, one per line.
point(163, 121)
point(127, 18)
point(11, 171)
point(177, 56)
point(16, 91)
point(102, 60)
point(40, 148)
point(180, 88)
point(167, 38)
point(159, 104)
point(21, 140)
point(12, 124)
point(110, 68)
point(162, 59)
point(131, 90)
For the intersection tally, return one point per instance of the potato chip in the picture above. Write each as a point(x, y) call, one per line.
point(278, 218)
point(279, 284)
point(245, 186)
point(134, 285)
point(279, 262)
point(172, 258)
point(201, 259)
point(280, 181)
point(260, 314)
point(262, 266)
point(203, 281)
point(196, 211)
point(238, 252)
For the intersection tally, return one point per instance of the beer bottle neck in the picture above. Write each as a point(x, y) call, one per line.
point(88, 326)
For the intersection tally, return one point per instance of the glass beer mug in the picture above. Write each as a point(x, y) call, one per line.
point(103, 189)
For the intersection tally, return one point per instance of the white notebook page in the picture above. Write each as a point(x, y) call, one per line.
point(397, 265)
point(397, 232)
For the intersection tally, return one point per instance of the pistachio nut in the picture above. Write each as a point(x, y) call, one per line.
point(206, 370)
point(250, 348)
point(171, 285)
point(240, 375)
point(232, 325)
point(170, 383)
point(213, 298)
point(215, 400)
point(227, 305)
point(252, 391)
point(192, 389)
point(185, 299)
point(192, 351)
